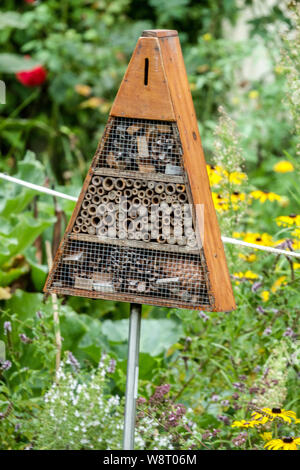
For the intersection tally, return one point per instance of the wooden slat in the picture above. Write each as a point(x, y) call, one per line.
point(136, 100)
point(195, 166)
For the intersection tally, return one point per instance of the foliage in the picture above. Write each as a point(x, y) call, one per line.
point(199, 372)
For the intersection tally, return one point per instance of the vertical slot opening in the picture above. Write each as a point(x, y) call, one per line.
point(146, 72)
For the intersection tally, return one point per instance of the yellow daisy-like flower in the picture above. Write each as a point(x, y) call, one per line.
point(296, 233)
point(296, 265)
point(214, 174)
point(263, 196)
point(271, 414)
point(265, 295)
point(278, 283)
point(283, 166)
point(288, 220)
point(220, 203)
point(266, 436)
point(237, 177)
point(249, 258)
point(246, 276)
point(258, 238)
point(245, 424)
point(93, 102)
point(286, 443)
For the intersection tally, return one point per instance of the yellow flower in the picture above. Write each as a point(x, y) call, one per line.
point(245, 424)
point(266, 436)
point(271, 414)
point(253, 94)
point(279, 69)
point(249, 258)
point(83, 90)
point(237, 177)
point(93, 102)
point(296, 265)
point(264, 196)
point(288, 220)
point(220, 203)
point(286, 443)
point(5, 293)
point(258, 238)
point(265, 295)
point(207, 37)
point(296, 233)
point(214, 174)
point(283, 166)
point(278, 283)
point(246, 276)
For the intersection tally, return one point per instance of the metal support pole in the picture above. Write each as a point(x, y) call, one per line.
point(132, 375)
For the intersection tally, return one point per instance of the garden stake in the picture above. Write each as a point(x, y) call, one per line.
point(132, 375)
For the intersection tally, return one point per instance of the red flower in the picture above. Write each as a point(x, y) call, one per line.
point(33, 77)
point(29, 1)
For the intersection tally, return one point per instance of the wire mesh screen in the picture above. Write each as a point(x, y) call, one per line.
point(141, 145)
point(103, 270)
point(132, 236)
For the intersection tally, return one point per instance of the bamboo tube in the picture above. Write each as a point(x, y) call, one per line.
point(92, 209)
point(171, 240)
point(88, 196)
point(104, 199)
point(128, 192)
point(111, 207)
point(108, 220)
point(84, 213)
point(146, 236)
point(85, 204)
point(91, 230)
point(180, 188)
point(159, 188)
point(84, 228)
point(95, 221)
point(141, 194)
point(149, 192)
point(108, 183)
point(129, 182)
point(76, 229)
point(181, 241)
point(101, 209)
point(137, 184)
point(163, 196)
point(120, 183)
point(182, 197)
point(191, 242)
point(79, 220)
point(170, 188)
point(96, 180)
point(151, 184)
point(134, 191)
point(146, 201)
point(155, 199)
point(112, 195)
point(100, 190)
point(101, 231)
point(136, 201)
point(96, 199)
point(161, 238)
point(92, 189)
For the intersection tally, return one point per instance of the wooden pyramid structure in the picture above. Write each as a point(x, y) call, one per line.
point(144, 229)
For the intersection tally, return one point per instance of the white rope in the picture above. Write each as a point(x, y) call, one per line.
point(36, 187)
point(232, 241)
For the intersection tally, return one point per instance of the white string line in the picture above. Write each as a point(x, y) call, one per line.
point(232, 241)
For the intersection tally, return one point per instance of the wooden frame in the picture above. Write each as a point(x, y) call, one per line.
point(155, 86)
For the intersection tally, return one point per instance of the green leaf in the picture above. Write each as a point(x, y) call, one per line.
point(156, 335)
point(12, 19)
point(13, 63)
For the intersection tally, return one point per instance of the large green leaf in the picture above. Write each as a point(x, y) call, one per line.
point(12, 19)
point(156, 335)
point(13, 63)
